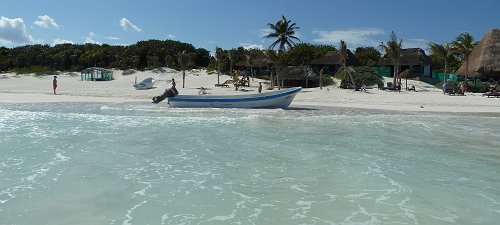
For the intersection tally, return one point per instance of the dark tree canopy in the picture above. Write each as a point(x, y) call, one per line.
point(367, 56)
point(303, 53)
point(74, 57)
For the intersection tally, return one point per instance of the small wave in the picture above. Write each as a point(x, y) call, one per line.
point(143, 191)
point(129, 216)
point(10, 162)
point(223, 218)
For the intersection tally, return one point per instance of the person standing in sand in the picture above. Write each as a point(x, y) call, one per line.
point(444, 87)
point(54, 84)
point(260, 87)
point(173, 82)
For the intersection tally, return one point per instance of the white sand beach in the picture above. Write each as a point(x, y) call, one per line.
point(27, 88)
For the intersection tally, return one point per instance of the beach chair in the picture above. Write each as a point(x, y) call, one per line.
point(225, 84)
point(492, 94)
point(391, 87)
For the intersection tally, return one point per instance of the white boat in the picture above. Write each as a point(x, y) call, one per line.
point(147, 83)
point(275, 99)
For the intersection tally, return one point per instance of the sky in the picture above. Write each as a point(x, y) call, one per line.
point(243, 23)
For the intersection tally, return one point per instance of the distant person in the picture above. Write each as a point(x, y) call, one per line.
point(363, 86)
point(260, 87)
point(248, 80)
point(444, 87)
point(173, 82)
point(54, 84)
point(461, 85)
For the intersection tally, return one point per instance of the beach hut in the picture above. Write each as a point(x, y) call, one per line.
point(484, 61)
point(96, 74)
point(332, 61)
point(294, 76)
point(260, 64)
point(414, 60)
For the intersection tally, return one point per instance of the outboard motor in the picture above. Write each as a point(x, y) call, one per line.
point(169, 92)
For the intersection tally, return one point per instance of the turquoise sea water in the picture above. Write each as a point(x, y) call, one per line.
point(83, 163)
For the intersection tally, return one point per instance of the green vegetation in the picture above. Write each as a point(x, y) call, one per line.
point(283, 31)
point(392, 50)
point(185, 61)
point(463, 45)
point(37, 70)
point(443, 53)
point(361, 74)
point(303, 53)
point(367, 56)
point(74, 57)
point(327, 80)
point(449, 57)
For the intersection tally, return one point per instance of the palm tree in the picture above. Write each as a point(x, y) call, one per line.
point(464, 44)
point(185, 60)
point(443, 52)
point(392, 50)
point(219, 54)
point(281, 60)
point(343, 54)
point(284, 31)
point(230, 56)
point(248, 61)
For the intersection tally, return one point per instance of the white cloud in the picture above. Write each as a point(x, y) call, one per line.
point(416, 43)
point(13, 31)
point(90, 39)
point(251, 46)
point(126, 25)
point(112, 38)
point(46, 22)
point(58, 41)
point(353, 37)
point(170, 36)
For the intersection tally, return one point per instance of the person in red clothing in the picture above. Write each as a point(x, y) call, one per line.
point(54, 84)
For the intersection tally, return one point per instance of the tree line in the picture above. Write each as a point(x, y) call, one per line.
point(75, 57)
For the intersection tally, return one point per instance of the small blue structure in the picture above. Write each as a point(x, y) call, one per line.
point(96, 74)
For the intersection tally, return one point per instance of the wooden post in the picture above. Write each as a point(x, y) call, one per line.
point(321, 79)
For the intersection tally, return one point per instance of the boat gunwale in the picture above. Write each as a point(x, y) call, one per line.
point(236, 98)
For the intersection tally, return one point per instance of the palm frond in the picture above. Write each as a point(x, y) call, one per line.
point(284, 31)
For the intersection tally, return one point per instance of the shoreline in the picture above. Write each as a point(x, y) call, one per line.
point(427, 99)
point(294, 107)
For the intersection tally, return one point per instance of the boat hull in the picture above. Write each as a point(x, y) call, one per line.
point(277, 99)
point(143, 86)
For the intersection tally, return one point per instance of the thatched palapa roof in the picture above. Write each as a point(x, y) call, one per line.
point(484, 61)
point(259, 61)
point(409, 56)
point(335, 58)
point(296, 73)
